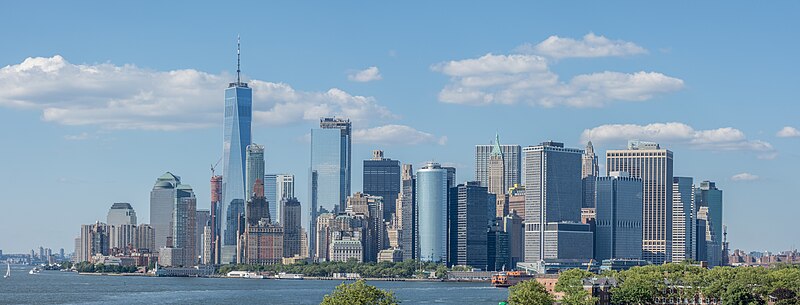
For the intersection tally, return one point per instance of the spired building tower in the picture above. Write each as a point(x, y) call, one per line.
point(552, 204)
point(497, 180)
point(512, 172)
point(649, 162)
point(330, 169)
point(382, 178)
point(235, 139)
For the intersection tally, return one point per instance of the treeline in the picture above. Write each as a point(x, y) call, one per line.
point(102, 268)
point(406, 269)
point(728, 285)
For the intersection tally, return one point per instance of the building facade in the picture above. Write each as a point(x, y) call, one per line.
point(618, 217)
point(649, 162)
point(709, 198)
point(121, 213)
point(683, 219)
point(291, 215)
point(408, 215)
point(511, 163)
point(468, 225)
point(382, 178)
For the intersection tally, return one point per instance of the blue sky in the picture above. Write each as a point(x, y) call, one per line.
point(97, 101)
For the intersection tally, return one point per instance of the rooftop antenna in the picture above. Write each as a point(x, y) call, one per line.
point(238, 52)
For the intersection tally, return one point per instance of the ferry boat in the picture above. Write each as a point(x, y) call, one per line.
point(509, 278)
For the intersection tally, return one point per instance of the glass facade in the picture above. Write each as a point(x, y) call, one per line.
point(709, 197)
point(162, 202)
point(468, 224)
point(431, 201)
point(235, 139)
point(382, 178)
point(618, 222)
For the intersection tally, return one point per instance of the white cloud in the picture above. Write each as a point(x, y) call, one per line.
point(590, 46)
point(396, 134)
point(726, 138)
point(520, 78)
point(744, 177)
point(788, 132)
point(366, 75)
point(129, 97)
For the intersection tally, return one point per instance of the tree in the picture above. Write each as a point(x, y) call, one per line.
point(570, 282)
point(359, 293)
point(529, 292)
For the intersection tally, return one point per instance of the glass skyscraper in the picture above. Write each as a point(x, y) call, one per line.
point(330, 168)
point(709, 199)
point(618, 231)
point(382, 178)
point(431, 201)
point(235, 139)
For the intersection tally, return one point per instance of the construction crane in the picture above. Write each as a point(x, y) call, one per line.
point(213, 167)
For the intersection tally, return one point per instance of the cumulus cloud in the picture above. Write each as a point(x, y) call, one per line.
point(726, 138)
point(128, 97)
point(527, 78)
point(744, 177)
point(366, 75)
point(396, 134)
point(788, 132)
point(590, 46)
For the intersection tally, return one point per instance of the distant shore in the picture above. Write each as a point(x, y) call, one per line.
point(307, 278)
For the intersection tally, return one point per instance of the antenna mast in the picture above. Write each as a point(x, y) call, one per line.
point(238, 52)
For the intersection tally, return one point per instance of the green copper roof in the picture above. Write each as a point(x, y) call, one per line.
point(496, 148)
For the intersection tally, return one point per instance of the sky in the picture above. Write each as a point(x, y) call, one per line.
point(98, 100)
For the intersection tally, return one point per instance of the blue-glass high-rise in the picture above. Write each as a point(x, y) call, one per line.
point(235, 139)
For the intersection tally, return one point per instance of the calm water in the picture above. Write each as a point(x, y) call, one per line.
point(53, 287)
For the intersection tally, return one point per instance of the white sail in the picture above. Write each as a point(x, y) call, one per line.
point(8, 270)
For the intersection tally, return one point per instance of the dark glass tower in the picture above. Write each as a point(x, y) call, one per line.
point(382, 178)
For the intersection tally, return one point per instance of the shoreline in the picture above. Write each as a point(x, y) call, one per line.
point(311, 278)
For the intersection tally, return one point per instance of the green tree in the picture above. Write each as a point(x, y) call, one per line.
point(570, 282)
point(359, 293)
point(529, 292)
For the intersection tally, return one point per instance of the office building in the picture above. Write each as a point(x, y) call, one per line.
point(498, 249)
point(553, 204)
point(277, 188)
point(516, 200)
point(513, 226)
point(408, 214)
point(257, 206)
point(589, 171)
point(468, 224)
point(122, 238)
point(121, 213)
point(263, 243)
point(291, 214)
point(236, 137)
point(511, 162)
point(184, 227)
point(323, 231)
point(94, 239)
point(254, 168)
point(649, 162)
point(167, 193)
point(331, 147)
point(497, 176)
point(382, 178)
point(683, 219)
point(431, 201)
point(216, 203)
point(368, 210)
point(618, 217)
point(709, 198)
point(145, 238)
point(202, 220)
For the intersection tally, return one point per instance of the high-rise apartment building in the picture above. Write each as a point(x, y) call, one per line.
point(431, 201)
point(649, 162)
point(330, 168)
point(145, 238)
point(618, 217)
point(709, 196)
point(468, 224)
point(511, 163)
point(382, 178)
point(121, 213)
point(236, 137)
point(553, 204)
point(683, 219)
point(94, 239)
point(184, 226)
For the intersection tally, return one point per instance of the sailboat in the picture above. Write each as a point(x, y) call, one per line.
point(8, 270)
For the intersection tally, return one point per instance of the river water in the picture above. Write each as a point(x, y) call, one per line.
point(53, 287)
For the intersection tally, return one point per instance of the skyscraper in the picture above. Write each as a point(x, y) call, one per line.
point(382, 178)
point(431, 201)
point(553, 204)
point(330, 168)
point(255, 168)
point(683, 219)
point(184, 225)
point(121, 213)
point(649, 162)
point(162, 204)
point(709, 196)
point(512, 161)
point(290, 220)
point(282, 187)
point(236, 137)
point(468, 225)
point(589, 171)
point(497, 178)
point(618, 219)
point(214, 237)
point(202, 219)
point(408, 214)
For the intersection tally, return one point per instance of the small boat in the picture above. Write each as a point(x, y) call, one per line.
point(510, 278)
point(35, 270)
point(8, 270)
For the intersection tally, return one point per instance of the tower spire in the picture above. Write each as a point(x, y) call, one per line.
point(238, 61)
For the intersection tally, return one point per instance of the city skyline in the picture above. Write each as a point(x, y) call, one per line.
point(751, 159)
